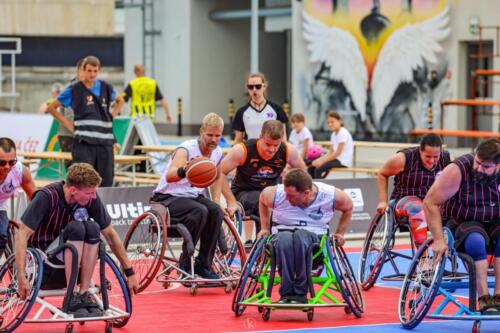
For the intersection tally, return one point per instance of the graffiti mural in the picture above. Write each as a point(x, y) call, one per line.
point(378, 63)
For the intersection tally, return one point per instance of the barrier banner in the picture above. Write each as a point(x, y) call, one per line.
point(125, 204)
point(29, 131)
point(51, 170)
point(364, 195)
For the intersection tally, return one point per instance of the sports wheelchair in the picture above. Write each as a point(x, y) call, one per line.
point(331, 272)
point(48, 302)
point(428, 281)
point(379, 248)
point(149, 248)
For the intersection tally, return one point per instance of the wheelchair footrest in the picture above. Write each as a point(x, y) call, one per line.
point(394, 277)
point(292, 306)
point(477, 316)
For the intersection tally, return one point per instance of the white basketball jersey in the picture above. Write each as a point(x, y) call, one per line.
point(183, 188)
point(9, 186)
point(315, 218)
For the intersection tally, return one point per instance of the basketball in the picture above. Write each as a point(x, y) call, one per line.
point(201, 172)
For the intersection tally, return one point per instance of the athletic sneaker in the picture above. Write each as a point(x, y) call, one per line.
point(185, 269)
point(297, 299)
point(90, 304)
point(77, 307)
point(205, 272)
point(487, 306)
point(496, 300)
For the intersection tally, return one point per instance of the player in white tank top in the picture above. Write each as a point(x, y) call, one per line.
point(13, 175)
point(201, 216)
point(301, 213)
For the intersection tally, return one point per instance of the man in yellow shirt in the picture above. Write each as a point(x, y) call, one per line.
point(144, 92)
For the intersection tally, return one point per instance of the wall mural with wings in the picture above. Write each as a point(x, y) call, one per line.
point(378, 63)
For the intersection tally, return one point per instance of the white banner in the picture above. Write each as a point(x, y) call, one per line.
point(29, 131)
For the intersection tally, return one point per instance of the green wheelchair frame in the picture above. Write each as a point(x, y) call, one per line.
point(334, 275)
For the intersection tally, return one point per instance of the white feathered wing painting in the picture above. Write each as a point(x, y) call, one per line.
point(379, 71)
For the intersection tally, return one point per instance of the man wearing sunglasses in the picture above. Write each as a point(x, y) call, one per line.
point(468, 194)
point(12, 176)
point(250, 117)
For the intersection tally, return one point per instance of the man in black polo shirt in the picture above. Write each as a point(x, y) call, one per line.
point(70, 212)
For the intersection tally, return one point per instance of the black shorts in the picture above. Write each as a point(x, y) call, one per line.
point(249, 200)
point(490, 231)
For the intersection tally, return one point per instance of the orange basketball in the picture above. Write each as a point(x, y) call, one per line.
point(201, 172)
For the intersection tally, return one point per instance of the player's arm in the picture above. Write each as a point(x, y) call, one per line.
point(116, 245)
point(343, 203)
point(266, 204)
point(231, 161)
point(28, 184)
point(393, 166)
point(20, 247)
point(294, 159)
point(177, 171)
point(444, 187)
point(219, 186)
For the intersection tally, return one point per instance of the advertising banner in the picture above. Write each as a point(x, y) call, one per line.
point(363, 192)
point(125, 204)
point(30, 132)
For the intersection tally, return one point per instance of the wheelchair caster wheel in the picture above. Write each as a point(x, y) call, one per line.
point(239, 310)
point(69, 328)
point(166, 285)
point(260, 308)
point(266, 314)
point(108, 328)
point(81, 323)
point(476, 326)
point(193, 290)
point(228, 288)
point(347, 310)
point(310, 315)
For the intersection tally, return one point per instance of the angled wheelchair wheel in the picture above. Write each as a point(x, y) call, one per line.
point(230, 254)
point(249, 278)
point(145, 242)
point(13, 309)
point(374, 249)
point(420, 286)
point(109, 288)
point(349, 286)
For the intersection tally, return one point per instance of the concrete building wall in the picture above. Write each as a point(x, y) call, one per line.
point(220, 59)
point(57, 17)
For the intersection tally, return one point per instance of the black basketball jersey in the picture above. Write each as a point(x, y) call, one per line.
point(416, 179)
point(256, 173)
point(473, 201)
